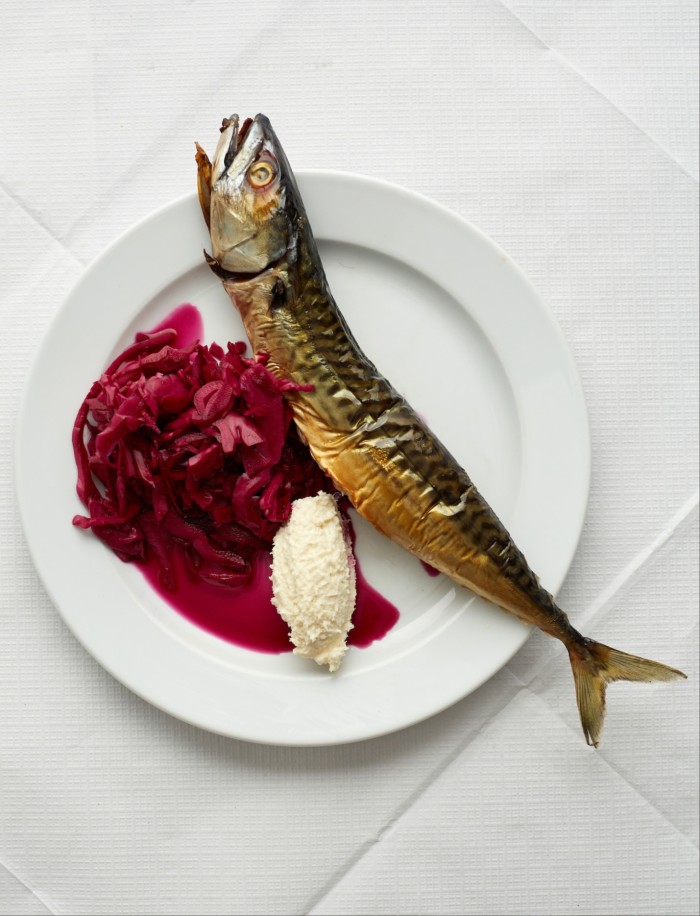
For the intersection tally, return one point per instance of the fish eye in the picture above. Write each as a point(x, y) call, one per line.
point(260, 174)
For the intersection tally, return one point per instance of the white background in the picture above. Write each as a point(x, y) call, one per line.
point(567, 131)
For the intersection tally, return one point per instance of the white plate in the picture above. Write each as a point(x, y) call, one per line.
point(458, 329)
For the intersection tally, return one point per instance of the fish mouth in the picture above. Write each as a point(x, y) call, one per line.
point(238, 134)
point(233, 140)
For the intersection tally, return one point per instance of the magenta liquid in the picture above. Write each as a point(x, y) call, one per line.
point(186, 321)
point(246, 616)
point(431, 571)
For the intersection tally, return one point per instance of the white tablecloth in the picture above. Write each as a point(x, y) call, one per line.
point(567, 131)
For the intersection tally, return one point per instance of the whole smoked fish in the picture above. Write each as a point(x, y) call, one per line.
point(360, 430)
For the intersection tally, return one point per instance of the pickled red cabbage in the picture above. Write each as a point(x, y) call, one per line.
point(190, 448)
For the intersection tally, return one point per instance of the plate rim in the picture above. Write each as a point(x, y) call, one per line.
point(443, 212)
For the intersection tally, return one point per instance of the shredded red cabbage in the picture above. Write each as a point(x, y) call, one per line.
point(191, 448)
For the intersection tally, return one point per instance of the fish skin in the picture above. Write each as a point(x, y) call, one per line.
point(360, 430)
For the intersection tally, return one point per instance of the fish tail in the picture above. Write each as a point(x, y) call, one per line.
point(595, 666)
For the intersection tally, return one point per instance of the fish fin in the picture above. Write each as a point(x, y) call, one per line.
point(203, 182)
point(594, 666)
point(214, 265)
point(278, 296)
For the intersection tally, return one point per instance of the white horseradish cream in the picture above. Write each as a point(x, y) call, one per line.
point(313, 579)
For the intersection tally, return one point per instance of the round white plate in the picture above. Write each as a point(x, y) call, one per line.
point(458, 329)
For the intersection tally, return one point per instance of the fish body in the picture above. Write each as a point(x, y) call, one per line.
point(360, 430)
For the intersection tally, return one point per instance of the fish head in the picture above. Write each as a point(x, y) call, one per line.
point(249, 197)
